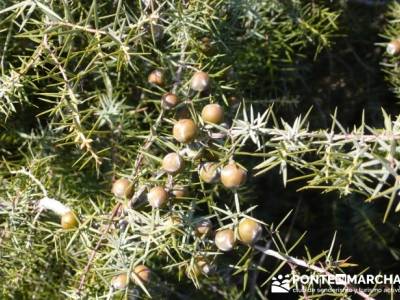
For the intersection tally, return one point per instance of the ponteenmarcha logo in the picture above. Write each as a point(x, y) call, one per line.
point(280, 284)
point(283, 283)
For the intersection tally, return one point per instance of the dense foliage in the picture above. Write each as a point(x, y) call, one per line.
point(309, 98)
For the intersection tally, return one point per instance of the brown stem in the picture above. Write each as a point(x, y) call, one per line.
point(93, 254)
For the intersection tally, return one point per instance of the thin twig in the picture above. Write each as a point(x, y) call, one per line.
point(253, 282)
point(85, 142)
point(292, 222)
point(338, 137)
point(93, 254)
point(83, 28)
point(33, 178)
point(138, 162)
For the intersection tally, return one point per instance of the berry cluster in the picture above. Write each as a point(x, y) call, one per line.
point(190, 131)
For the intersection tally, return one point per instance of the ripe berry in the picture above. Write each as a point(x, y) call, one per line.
point(141, 274)
point(185, 131)
point(156, 77)
point(120, 282)
point(157, 197)
point(202, 265)
point(205, 44)
point(199, 267)
point(213, 113)
point(203, 228)
point(209, 172)
point(173, 221)
point(122, 188)
point(180, 191)
point(169, 100)
point(393, 48)
point(182, 113)
point(69, 220)
point(249, 231)
point(225, 239)
point(233, 100)
point(233, 176)
point(173, 163)
point(200, 81)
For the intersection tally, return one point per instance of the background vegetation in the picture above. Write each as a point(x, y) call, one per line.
point(77, 112)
